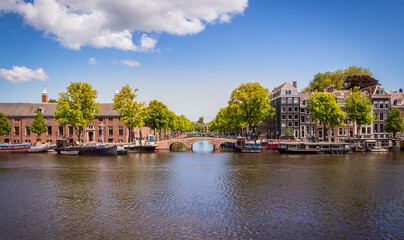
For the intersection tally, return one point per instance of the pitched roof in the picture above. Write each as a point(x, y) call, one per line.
point(303, 96)
point(29, 109)
point(396, 96)
point(284, 86)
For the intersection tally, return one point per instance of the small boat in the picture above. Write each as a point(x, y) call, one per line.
point(246, 147)
point(378, 149)
point(23, 148)
point(92, 149)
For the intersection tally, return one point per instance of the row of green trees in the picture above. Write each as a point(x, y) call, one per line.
point(77, 107)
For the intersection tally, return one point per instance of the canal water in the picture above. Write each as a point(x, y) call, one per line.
point(202, 194)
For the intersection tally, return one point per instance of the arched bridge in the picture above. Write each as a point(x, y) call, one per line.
point(188, 142)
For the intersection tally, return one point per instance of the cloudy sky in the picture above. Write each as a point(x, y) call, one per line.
point(192, 54)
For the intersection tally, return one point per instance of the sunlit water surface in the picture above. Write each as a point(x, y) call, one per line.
point(202, 195)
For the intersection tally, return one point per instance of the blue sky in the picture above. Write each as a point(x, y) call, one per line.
point(192, 66)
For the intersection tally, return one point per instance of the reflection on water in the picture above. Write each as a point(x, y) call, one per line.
point(202, 147)
point(200, 196)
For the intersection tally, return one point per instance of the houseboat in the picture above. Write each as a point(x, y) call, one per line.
point(242, 145)
point(305, 147)
point(93, 149)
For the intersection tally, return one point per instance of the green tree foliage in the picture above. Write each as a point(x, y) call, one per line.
point(181, 123)
point(359, 108)
point(157, 116)
point(77, 106)
point(200, 127)
point(324, 107)
point(227, 119)
point(335, 79)
point(251, 103)
point(38, 126)
point(394, 122)
point(130, 111)
point(288, 132)
point(5, 127)
point(361, 81)
point(52, 101)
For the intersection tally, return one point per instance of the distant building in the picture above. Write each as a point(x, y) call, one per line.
point(106, 126)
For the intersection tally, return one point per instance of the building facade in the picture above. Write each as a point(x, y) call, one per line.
point(106, 126)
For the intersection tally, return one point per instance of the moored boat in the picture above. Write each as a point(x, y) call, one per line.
point(305, 147)
point(92, 149)
point(246, 147)
point(23, 148)
point(142, 148)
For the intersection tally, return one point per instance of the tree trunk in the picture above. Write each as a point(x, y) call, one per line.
point(130, 134)
point(140, 134)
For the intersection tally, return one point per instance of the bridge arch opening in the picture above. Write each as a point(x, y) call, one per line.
point(203, 146)
point(178, 147)
point(226, 146)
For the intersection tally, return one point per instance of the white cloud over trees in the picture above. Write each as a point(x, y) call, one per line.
point(114, 24)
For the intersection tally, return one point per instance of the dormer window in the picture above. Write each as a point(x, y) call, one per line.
point(381, 92)
point(39, 110)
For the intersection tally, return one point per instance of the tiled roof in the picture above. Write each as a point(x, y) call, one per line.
point(285, 86)
point(29, 109)
point(304, 96)
point(397, 96)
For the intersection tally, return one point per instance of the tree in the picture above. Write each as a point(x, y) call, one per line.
point(52, 101)
point(200, 127)
point(5, 127)
point(335, 79)
point(288, 132)
point(157, 116)
point(38, 126)
point(269, 116)
point(130, 111)
point(394, 122)
point(359, 108)
point(324, 107)
point(251, 102)
point(361, 81)
point(77, 106)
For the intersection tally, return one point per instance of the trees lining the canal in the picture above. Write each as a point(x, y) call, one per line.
point(394, 122)
point(38, 126)
point(5, 127)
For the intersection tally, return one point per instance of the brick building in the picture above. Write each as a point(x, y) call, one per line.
point(106, 126)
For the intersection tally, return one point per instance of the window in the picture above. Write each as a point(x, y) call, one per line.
point(99, 131)
point(375, 103)
point(27, 131)
point(60, 131)
point(110, 119)
point(290, 100)
point(110, 130)
point(295, 100)
point(296, 109)
point(304, 102)
point(49, 130)
point(283, 100)
point(381, 104)
point(100, 119)
point(290, 109)
point(387, 104)
point(16, 119)
point(120, 130)
point(381, 118)
point(381, 128)
point(375, 128)
point(283, 117)
point(49, 119)
point(363, 130)
point(302, 110)
point(27, 119)
point(70, 131)
point(290, 117)
point(308, 119)
point(289, 124)
point(283, 124)
point(302, 119)
point(283, 109)
point(296, 124)
point(369, 130)
point(340, 132)
point(345, 132)
point(16, 131)
point(296, 117)
point(339, 100)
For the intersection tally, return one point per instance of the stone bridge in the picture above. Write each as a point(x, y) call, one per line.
point(166, 145)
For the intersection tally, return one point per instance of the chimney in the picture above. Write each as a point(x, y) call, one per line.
point(295, 84)
point(400, 90)
point(44, 96)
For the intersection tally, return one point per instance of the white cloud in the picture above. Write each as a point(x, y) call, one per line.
point(23, 74)
point(106, 23)
point(92, 61)
point(130, 63)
